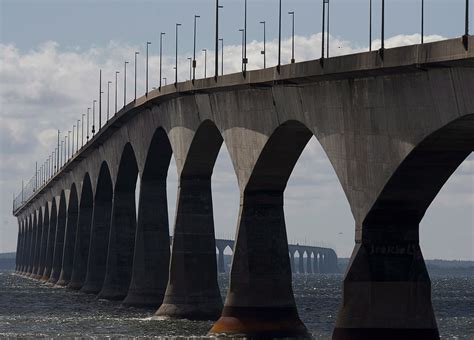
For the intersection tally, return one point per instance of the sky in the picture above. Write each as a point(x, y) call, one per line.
point(51, 53)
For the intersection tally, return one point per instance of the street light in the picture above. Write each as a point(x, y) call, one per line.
point(383, 29)
point(88, 113)
point(279, 38)
point(264, 52)
point(222, 56)
point(292, 36)
point(161, 53)
point(244, 57)
point(176, 61)
point(146, 90)
point(328, 37)
point(125, 84)
point(136, 53)
point(100, 99)
point(216, 59)
point(323, 29)
point(108, 97)
point(422, 20)
point(242, 30)
point(370, 25)
point(77, 137)
point(190, 68)
point(82, 134)
point(194, 51)
point(205, 62)
point(465, 38)
point(116, 74)
point(72, 142)
point(93, 116)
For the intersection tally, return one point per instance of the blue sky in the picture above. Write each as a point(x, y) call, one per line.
point(50, 53)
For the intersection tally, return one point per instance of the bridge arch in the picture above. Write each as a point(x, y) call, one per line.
point(53, 218)
point(69, 236)
point(389, 235)
point(39, 234)
point(122, 229)
point(194, 236)
point(152, 246)
point(99, 232)
point(44, 241)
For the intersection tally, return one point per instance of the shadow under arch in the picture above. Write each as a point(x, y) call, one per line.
point(83, 233)
point(59, 239)
point(123, 226)
point(33, 234)
point(39, 234)
point(44, 243)
point(261, 272)
point(69, 237)
point(99, 232)
point(48, 263)
point(387, 265)
point(193, 267)
point(152, 242)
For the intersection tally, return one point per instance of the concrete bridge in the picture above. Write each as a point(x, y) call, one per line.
point(394, 126)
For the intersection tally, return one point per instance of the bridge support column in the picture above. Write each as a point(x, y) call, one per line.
point(39, 233)
point(387, 291)
point(220, 260)
point(260, 301)
point(69, 241)
point(48, 262)
point(59, 242)
point(292, 261)
point(301, 263)
point(43, 246)
point(31, 248)
point(193, 291)
point(99, 240)
point(152, 246)
point(309, 264)
point(34, 232)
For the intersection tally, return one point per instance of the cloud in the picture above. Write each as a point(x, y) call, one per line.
point(48, 88)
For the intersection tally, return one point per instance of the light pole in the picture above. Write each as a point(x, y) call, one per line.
point(194, 50)
point(279, 38)
point(242, 30)
point(328, 36)
point(422, 20)
point(161, 54)
point(323, 29)
point(136, 53)
point(58, 152)
point(108, 98)
point(190, 68)
point(125, 84)
point(370, 25)
point(61, 153)
point(77, 135)
point(146, 89)
point(383, 29)
point(217, 41)
point(244, 58)
point(292, 13)
point(88, 114)
point(68, 143)
point(264, 52)
point(116, 74)
point(176, 61)
point(222, 56)
point(205, 62)
point(93, 116)
point(100, 99)
point(72, 142)
point(82, 134)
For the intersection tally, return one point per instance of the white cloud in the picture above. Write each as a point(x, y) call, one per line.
point(49, 88)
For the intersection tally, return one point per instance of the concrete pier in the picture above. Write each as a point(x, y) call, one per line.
point(43, 244)
point(59, 241)
point(48, 262)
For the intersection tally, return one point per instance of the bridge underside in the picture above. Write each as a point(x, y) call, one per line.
point(394, 129)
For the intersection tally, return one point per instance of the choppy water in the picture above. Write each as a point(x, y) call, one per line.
point(29, 308)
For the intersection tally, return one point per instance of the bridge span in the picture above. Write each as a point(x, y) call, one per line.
point(394, 126)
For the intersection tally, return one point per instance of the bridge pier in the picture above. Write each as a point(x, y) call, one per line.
point(309, 264)
point(69, 239)
point(97, 259)
point(301, 263)
point(50, 243)
point(220, 260)
point(292, 261)
point(387, 293)
point(59, 241)
point(260, 299)
point(43, 245)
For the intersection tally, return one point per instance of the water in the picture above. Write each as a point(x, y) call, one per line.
point(29, 308)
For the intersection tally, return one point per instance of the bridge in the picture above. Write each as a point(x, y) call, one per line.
point(394, 125)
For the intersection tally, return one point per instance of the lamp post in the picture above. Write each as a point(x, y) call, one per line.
point(61, 152)
point(382, 46)
point(279, 38)
point(264, 52)
point(190, 68)
point(116, 74)
point(77, 135)
point(244, 57)
point(176, 61)
point(242, 30)
point(205, 62)
point(82, 134)
point(68, 143)
point(136, 53)
point(370, 25)
point(125, 84)
point(146, 73)
point(108, 98)
point(58, 152)
point(216, 59)
point(100, 100)
point(93, 116)
point(72, 142)
point(328, 36)
point(161, 54)
point(194, 50)
point(323, 29)
point(88, 114)
point(222, 56)
point(292, 13)
point(422, 20)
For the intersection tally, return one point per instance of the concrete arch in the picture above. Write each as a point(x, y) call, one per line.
point(53, 219)
point(261, 215)
point(59, 239)
point(38, 243)
point(83, 235)
point(194, 250)
point(69, 237)
point(122, 229)
point(389, 235)
point(44, 242)
point(99, 234)
point(152, 245)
